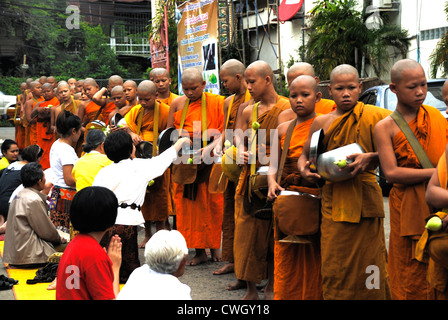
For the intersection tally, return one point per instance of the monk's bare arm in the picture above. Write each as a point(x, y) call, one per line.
point(436, 196)
point(383, 133)
point(304, 163)
point(276, 151)
point(98, 97)
point(176, 105)
point(28, 109)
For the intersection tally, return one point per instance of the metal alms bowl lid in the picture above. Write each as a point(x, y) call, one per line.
point(326, 166)
point(316, 147)
point(167, 138)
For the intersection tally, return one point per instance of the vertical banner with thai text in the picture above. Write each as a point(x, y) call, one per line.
point(197, 34)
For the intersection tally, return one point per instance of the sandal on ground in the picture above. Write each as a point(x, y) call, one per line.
point(5, 285)
point(9, 280)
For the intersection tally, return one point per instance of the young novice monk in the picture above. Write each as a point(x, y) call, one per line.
point(162, 80)
point(435, 242)
point(232, 78)
point(143, 125)
point(30, 123)
point(253, 242)
point(296, 265)
point(352, 232)
point(323, 106)
point(408, 208)
point(42, 112)
point(198, 212)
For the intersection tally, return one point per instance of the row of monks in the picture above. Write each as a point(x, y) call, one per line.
point(346, 256)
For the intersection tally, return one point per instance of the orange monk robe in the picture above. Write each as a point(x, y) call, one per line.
point(297, 266)
point(45, 137)
point(253, 240)
point(108, 108)
point(352, 231)
point(325, 106)
point(157, 205)
point(429, 251)
point(20, 129)
point(408, 208)
point(30, 129)
point(169, 99)
point(228, 222)
point(200, 220)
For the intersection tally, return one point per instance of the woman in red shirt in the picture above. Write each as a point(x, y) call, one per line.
point(86, 271)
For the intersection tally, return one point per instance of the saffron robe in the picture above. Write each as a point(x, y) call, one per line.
point(296, 266)
point(200, 220)
point(325, 106)
point(108, 108)
point(253, 242)
point(408, 208)
point(44, 136)
point(169, 99)
point(352, 231)
point(30, 128)
point(157, 205)
point(19, 128)
point(437, 272)
point(228, 221)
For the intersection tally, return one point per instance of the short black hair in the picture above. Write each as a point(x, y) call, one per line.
point(118, 146)
point(6, 145)
point(32, 153)
point(66, 121)
point(31, 173)
point(93, 209)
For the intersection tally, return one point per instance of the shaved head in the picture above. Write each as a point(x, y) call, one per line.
point(63, 84)
point(262, 68)
point(130, 83)
point(402, 65)
point(147, 86)
point(34, 83)
point(233, 67)
point(47, 85)
point(117, 88)
point(115, 80)
point(192, 74)
point(90, 82)
point(159, 72)
point(298, 69)
point(305, 80)
point(344, 69)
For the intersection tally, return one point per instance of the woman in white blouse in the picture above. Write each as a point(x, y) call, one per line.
point(62, 160)
point(128, 178)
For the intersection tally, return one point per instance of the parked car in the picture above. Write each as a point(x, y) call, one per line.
point(383, 97)
point(6, 102)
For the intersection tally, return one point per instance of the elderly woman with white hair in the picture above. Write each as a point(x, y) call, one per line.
point(166, 255)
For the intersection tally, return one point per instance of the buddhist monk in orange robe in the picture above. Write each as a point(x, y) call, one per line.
point(323, 106)
point(232, 77)
point(296, 265)
point(162, 80)
point(141, 125)
point(432, 245)
point(353, 250)
point(66, 102)
point(408, 207)
point(17, 118)
point(103, 98)
point(198, 212)
point(42, 113)
point(30, 123)
point(253, 242)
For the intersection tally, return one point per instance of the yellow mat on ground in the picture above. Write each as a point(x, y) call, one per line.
point(24, 291)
